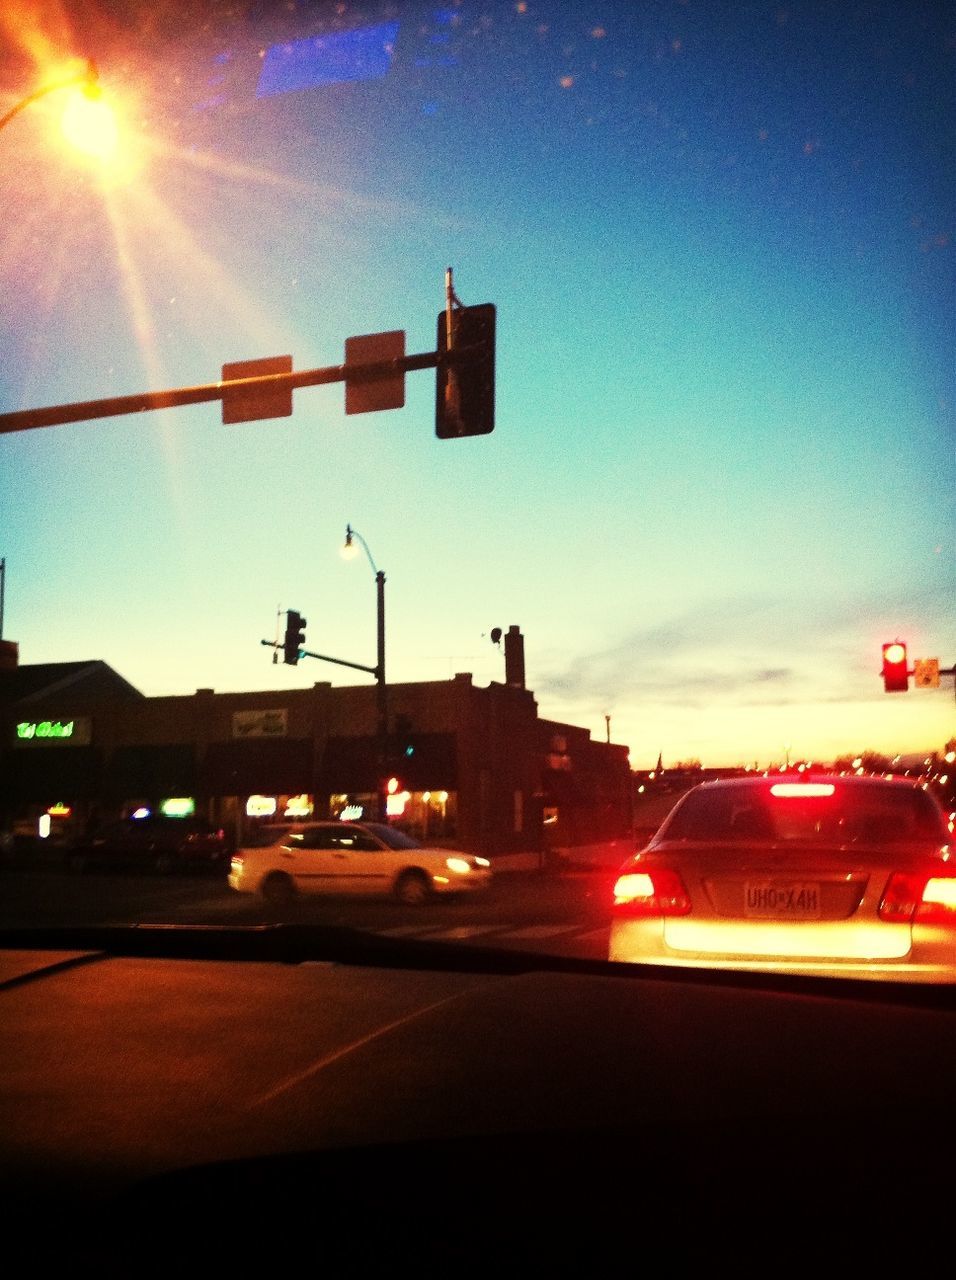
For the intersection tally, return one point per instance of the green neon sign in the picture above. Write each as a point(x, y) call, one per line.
point(45, 729)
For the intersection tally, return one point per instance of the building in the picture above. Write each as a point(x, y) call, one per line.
point(466, 765)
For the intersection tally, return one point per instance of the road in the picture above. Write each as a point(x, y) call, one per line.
point(563, 914)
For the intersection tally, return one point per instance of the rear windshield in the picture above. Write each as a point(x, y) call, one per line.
point(842, 815)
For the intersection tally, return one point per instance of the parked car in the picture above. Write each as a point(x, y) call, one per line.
point(840, 876)
point(355, 858)
point(156, 842)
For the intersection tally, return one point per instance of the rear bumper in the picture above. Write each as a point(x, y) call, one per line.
point(930, 960)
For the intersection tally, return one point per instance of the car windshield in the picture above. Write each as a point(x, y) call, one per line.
point(487, 423)
point(394, 837)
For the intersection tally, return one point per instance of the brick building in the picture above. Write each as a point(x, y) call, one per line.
point(472, 766)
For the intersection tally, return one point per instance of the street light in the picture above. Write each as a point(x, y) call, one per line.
point(88, 121)
point(349, 550)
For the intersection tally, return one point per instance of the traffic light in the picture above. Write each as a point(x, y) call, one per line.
point(895, 674)
point(465, 385)
point(396, 797)
point(403, 745)
point(294, 636)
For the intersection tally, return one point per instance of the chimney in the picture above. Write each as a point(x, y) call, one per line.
point(514, 658)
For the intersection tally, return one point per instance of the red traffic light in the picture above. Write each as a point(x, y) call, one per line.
point(895, 667)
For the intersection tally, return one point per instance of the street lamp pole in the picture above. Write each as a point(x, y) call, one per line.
point(351, 537)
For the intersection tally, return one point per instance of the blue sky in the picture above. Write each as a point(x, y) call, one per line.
point(720, 240)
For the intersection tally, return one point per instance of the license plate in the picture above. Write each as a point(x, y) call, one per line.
point(775, 900)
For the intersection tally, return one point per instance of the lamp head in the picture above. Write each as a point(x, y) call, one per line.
point(88, 120)
point(349, 549)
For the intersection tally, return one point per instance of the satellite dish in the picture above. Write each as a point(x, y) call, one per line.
point(496, 635)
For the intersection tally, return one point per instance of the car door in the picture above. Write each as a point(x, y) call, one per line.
point(309, 857)
point(361, 865)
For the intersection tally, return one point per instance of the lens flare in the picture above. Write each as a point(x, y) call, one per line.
point(89, 123)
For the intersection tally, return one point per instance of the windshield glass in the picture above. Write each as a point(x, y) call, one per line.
point(488, 421)
point(394, 837)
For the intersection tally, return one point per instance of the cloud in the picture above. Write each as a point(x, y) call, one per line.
point(759, 650)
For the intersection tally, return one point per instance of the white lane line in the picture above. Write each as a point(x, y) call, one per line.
point(455, 934)
point(541, 931)
point(594, 935)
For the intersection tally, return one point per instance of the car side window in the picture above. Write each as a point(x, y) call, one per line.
point(317, 838)
point(355, 841)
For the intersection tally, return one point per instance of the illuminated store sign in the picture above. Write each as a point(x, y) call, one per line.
point(178, 807)
point(298, 807)
point(75, 732)
point(45, 729)
point(260, 724)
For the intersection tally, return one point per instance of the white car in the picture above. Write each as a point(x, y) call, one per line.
point(355, 858)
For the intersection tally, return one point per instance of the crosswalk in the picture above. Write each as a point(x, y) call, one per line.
point(590, 941)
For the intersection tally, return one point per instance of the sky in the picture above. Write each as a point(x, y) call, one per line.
point(720, 241)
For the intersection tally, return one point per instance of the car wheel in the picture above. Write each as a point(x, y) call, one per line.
point(163, 863)
point(412, 888)
point(278, 888)
point(76, 862)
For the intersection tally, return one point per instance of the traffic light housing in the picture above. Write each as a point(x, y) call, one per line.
point(294, 636)
point(465, 384)
point(401, 743)
point(895, 667)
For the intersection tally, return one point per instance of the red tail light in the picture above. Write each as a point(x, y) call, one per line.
point(922, 898)
point(657, 892)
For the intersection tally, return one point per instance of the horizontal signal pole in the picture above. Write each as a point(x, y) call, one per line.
point(87, 410)
point(323, 657)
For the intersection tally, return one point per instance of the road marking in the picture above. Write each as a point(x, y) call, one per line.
point(542, 931)
point(500, 932)
point(594, 935)
point(459, 933)
point(433, 931)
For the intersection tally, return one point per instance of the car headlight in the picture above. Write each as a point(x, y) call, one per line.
point(461, 866)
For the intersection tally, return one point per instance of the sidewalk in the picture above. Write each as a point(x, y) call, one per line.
point(604, 856)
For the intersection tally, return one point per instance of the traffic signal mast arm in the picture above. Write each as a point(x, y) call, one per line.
point(86, 410)
point(252, 390)
point(307, 653)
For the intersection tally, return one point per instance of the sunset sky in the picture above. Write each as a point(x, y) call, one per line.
point(720, 240)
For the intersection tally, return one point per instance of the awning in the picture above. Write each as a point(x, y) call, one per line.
point(351, 765)
point(154, 771)
point(47, 774)
point(280, 766)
